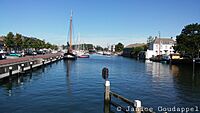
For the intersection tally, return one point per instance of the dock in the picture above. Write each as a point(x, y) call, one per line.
point(9, 67)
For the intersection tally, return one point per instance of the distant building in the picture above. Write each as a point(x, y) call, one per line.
point(127, 51)
point(160, 46)
point(2, 42)
point(113, 48)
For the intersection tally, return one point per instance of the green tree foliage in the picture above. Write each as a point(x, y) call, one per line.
point(99, 48)
point(9, 41)
point(18, 42)
point(119, 47)
point(188, 42)
point(136, 50)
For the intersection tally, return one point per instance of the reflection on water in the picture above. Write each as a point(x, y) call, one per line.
point(68, 64)
point(64, 86)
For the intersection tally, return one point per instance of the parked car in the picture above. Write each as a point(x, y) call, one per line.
point(31, 52)
point(15, 54)
point(2, 55)
point(40, 52)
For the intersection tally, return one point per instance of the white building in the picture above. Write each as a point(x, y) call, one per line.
point(113, 48)
point(160, 46)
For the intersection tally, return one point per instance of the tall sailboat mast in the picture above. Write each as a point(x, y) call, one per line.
point(69, 55)
point(70, 42)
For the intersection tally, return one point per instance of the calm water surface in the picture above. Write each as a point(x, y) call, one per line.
point(77, 86)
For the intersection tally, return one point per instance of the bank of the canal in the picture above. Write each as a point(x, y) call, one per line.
point(77, 86)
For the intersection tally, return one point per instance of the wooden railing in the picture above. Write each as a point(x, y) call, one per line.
point(133, 106)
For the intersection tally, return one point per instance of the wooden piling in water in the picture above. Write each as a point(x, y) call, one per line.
point(107, 91)
point(107, 97)
point(138, 106)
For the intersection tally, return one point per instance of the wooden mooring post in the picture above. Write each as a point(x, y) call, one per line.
point(135, 105)
point(138, 106)
point(107, 91)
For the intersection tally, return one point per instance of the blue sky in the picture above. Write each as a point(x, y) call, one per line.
point(101, 22)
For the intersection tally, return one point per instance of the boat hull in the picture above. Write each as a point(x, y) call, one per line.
point(69, 56)
point(84, 56)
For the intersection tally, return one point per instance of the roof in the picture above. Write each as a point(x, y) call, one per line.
point(1, 38)
point(164, 41)
point(135, 45)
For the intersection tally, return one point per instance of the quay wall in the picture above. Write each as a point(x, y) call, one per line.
point(20, 65)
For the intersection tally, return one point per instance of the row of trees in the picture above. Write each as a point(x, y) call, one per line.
point(18, 42)
point(118, 48)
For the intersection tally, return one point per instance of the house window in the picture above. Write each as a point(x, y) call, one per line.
point(165, 47)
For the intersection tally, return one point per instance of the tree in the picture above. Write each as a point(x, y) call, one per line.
point(119, 47)
point(9, 41)
point(99, 48)
point(150, 39)
point(18, 41)
point(188, 42)
point(137, 50)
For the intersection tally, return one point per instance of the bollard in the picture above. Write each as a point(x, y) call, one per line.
point(50, 59)
point(31, 65)
point(22, 67)
point(10, 72)
point(193, 71)
point(105, 74)
point(43, 62)
point(138, 106)
point(193, 63)
point(107, 97)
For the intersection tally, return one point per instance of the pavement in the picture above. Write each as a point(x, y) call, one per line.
point(11, 60)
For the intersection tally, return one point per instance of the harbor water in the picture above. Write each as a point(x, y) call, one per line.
point(78, 87)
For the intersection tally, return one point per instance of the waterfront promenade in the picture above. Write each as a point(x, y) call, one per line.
point(27, 58)
point(9, 67)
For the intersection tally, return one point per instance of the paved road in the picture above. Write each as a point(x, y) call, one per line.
point(21, 59)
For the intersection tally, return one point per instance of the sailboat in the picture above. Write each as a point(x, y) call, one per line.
point(69, 55)
point(81, 53)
